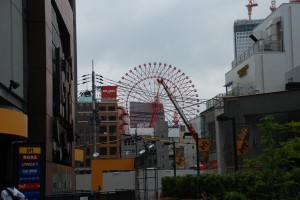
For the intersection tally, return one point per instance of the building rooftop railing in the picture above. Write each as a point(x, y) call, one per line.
point(259, 47)
point(242, 90)
point(215, 101)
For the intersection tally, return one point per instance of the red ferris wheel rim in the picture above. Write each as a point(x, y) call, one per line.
point(140, 85)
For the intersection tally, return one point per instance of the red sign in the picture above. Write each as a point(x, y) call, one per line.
point(29, 186)
point(210, 165)
point(29, 157)
point(109, 92)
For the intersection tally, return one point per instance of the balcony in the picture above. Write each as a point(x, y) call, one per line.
point(261, 46)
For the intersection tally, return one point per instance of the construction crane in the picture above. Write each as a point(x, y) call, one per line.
point(249, 6)
point(273, 6)
point(183, 117)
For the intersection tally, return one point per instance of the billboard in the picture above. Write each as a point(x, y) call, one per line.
point(141, 114)
point(109, 92)
point(30, 175)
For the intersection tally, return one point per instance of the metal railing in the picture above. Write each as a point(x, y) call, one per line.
point(242, 90)
point(259, 47)
point(215, 101)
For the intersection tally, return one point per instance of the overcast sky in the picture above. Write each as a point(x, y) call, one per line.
point(195, 36)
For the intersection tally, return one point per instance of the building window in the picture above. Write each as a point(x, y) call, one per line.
point(88, 162)
point(103, 151)
point(112, 118)
point(103, 139)
point(113, 139)
point(111, 108)
point(103, 118)
point(112, 129)
point(103, 129)
point(102, 108)
point(128, 142)
point(113, 150)
point(88, 151)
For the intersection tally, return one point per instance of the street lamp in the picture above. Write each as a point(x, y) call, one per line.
point(148, 146)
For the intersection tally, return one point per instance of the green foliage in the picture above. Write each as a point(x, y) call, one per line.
point(274, 174)
point(274, 165)
point(235, 196)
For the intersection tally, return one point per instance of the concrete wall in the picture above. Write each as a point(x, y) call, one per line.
point(83, 182)
point(118, 181)
point(11, 40)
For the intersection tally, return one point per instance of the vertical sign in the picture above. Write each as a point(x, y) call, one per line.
point(203, 147)
point(30, 172)
point(180, 161)
point(242, 143)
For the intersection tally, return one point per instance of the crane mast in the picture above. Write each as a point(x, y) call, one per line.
point(249, 6)
point(180, 112)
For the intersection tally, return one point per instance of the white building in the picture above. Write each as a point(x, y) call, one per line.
point(269, 68)
point(273, 60)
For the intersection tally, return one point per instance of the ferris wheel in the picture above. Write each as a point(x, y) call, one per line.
point(147, 102)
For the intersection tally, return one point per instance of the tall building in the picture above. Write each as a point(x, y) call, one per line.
point(109, 128)
point(242, 29)
point(37, 95)
point(270, 63)
point(265, 82)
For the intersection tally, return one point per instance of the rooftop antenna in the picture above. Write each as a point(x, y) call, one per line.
point(249, 6)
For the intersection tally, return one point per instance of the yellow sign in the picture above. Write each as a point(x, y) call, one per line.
point(180, 158)
point(243, 133)
point(204, 156)
point(180, 162)
point(29, 150)
point(243, 71)
point(203, 144)
point(242, 147)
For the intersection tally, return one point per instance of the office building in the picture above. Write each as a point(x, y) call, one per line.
point(37, 95)
point(242, 29)
point(110, 125)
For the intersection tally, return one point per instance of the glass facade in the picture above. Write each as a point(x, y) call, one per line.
point(242, 30)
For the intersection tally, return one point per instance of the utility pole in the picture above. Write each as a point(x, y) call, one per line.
point(95, 154)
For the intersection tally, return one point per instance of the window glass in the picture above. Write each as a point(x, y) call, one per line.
point(112, 118)
point(113, 139)
point(102, 108)
point(103, 151)
point(112, 129)
point(103, 139)
point(113, 150)
point(111, 108)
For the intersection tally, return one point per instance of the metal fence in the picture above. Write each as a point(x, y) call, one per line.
point(79, 195)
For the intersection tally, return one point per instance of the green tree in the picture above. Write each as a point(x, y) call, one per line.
point(275, 167)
